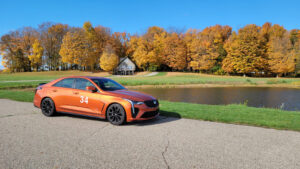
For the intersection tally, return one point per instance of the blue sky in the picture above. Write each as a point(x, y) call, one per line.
point(134, 16)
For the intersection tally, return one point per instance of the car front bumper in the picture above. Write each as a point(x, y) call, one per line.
point(143, 112)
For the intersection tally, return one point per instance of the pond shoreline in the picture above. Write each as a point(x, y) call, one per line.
point(213, 85)
point(184, 86)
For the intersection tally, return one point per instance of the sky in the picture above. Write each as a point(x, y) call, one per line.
point(135, 16)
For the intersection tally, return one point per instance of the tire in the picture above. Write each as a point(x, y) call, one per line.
point(115, 114)
point(48, 107)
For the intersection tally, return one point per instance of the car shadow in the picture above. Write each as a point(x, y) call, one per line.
point(164, 117)
point(79, 116)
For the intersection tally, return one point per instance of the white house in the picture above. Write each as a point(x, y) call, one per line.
point(125, 67)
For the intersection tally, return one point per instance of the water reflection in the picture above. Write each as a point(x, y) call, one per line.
point(285, 98)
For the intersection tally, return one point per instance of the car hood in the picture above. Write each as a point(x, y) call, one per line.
point(131, 95)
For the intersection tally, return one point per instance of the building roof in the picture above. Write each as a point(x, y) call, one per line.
point(124, 59)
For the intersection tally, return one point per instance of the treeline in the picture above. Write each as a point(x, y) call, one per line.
point(267, 50)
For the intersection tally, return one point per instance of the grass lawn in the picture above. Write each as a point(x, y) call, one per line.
point(235, 114)
point(162, 78)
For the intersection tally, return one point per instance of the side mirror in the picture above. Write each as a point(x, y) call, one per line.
point(91, 89)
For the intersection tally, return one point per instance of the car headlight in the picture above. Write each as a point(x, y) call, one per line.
point(134, 102)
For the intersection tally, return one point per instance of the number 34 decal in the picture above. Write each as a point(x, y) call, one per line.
point(84, 99)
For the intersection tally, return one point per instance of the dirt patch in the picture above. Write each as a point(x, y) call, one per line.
point(197, 74)
point(141, 73)
point(101, 74)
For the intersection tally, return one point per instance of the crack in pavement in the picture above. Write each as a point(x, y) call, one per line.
point(165, 151)
point(92, 134)
point(12, 115)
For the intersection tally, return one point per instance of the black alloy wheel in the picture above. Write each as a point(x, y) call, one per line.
point(116, 114)
point(48, 107)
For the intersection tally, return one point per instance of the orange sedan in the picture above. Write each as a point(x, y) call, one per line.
point(96, 97)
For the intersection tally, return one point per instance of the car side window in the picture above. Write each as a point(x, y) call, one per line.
point(66, 83)
point(82, 84)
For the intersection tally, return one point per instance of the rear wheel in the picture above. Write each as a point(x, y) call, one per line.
point(48, 107)
point(116, 114)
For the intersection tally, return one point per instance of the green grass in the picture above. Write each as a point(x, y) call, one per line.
point(194, 79)
point(160, 79)
point(23, 96)
point(20, 85)
point(234, 113)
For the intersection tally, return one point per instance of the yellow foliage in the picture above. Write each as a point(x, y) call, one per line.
point(78, 47)
point(246, 51)
point(37, 53)
point(175, 52)
point(281, 56)
point(148, 52)
point(109, 61)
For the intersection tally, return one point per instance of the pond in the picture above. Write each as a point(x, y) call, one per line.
point(284, 98)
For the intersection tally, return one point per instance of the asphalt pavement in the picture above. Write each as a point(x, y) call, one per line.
point(30, 140)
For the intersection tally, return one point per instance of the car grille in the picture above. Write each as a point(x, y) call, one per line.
point(152, 103)
point(148, 114)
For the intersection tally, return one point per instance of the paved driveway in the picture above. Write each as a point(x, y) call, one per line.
point(30, 140)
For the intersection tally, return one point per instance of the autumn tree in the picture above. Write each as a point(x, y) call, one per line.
point(36, 56)
point(11, 59)
point(103, 36)
point(80, 47)
point(90, 41)
point(109, 60)
point(15, 48)
point(120, 43)
point(148, 54)
point(175, 51)
point(295, 41)
point(207, 47)
point(51, 36)
point(281, 56)
point(189, 37)
point(73, 48)
point(246, 51)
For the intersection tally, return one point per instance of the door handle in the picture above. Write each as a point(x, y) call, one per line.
point(54, 90)
point(75, 92)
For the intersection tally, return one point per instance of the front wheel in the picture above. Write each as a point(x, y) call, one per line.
point(116, 114)
point(48, 107)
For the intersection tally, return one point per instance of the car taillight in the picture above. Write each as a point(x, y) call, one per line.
point(38, 88)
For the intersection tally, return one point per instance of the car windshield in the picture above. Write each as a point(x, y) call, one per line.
point(108, 84)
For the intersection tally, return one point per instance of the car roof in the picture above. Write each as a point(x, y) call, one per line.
point(88, 77)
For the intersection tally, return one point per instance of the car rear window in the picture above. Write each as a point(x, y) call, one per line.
point(66, 83)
